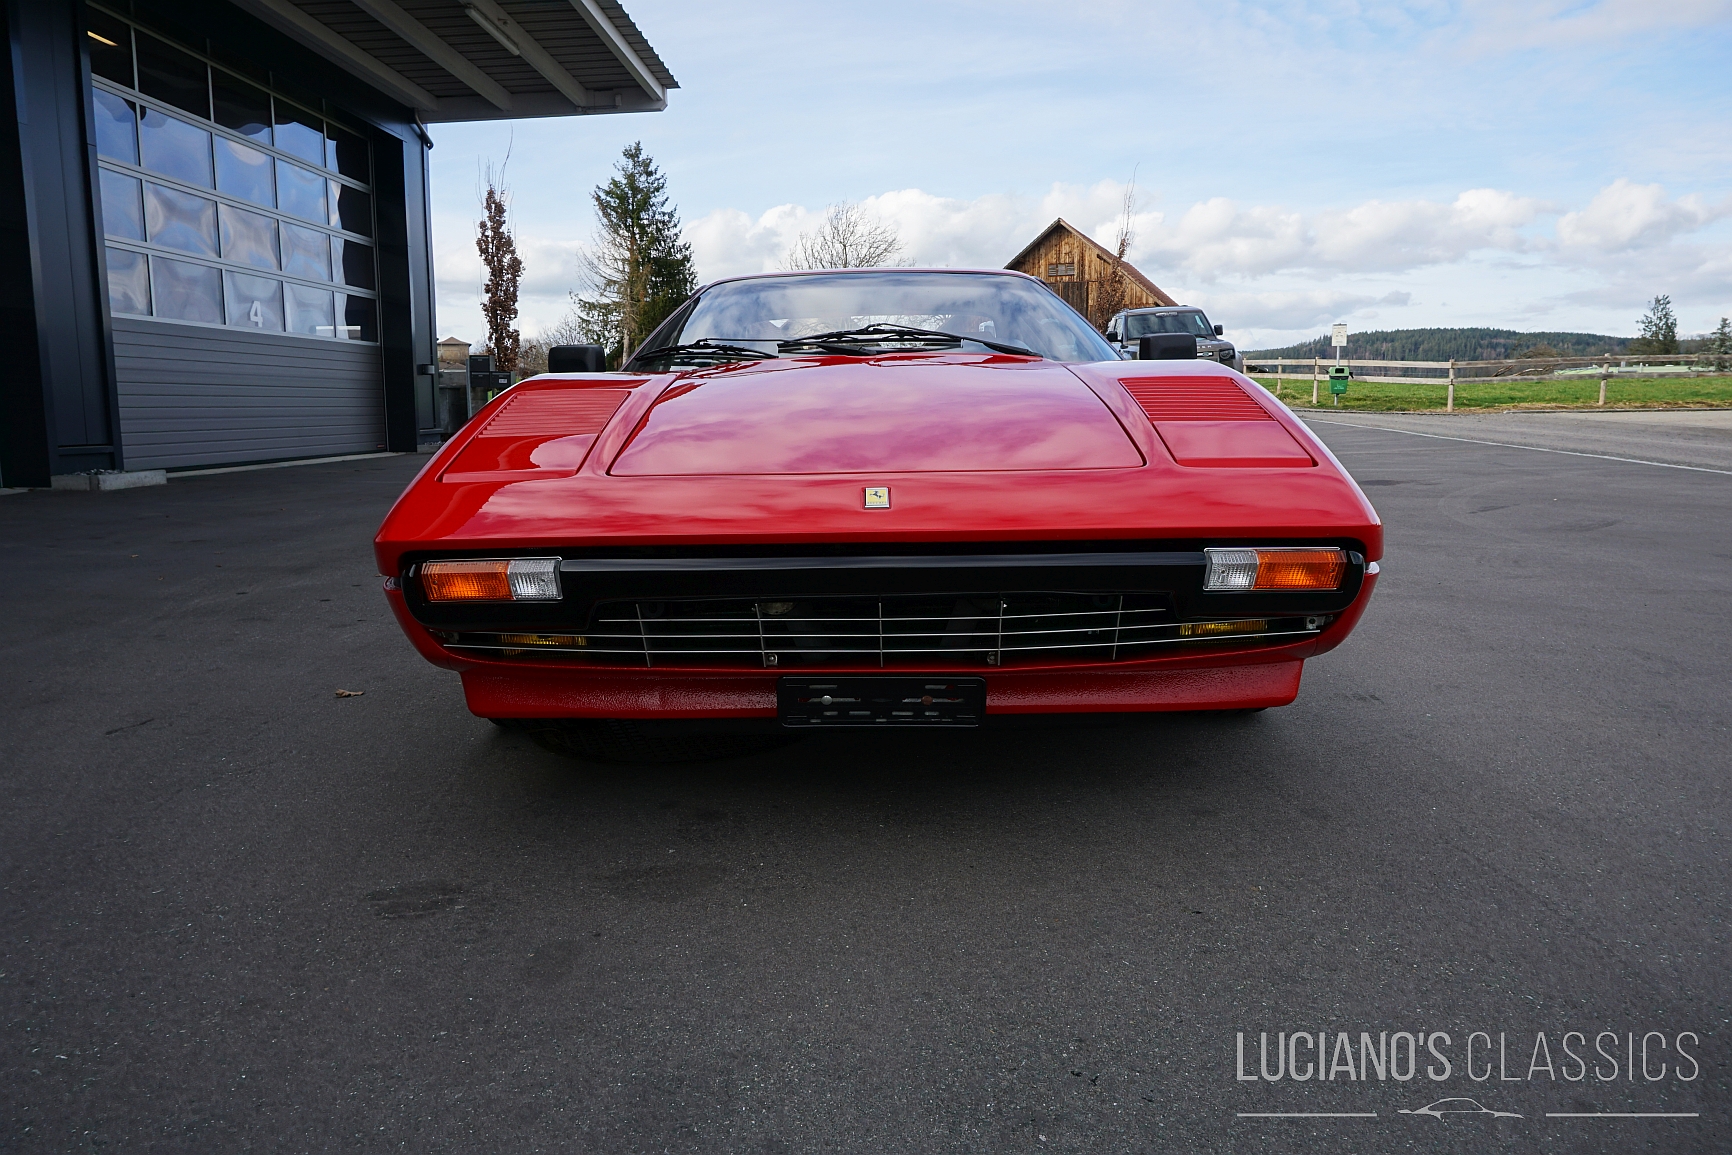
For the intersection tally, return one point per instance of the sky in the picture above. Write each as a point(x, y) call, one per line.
point(1547, 165)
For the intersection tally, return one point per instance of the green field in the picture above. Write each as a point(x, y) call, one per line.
point(1645, 393)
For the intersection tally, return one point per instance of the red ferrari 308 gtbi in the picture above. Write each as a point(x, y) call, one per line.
point(885, 497)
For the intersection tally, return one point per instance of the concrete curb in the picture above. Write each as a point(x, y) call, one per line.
point(106, 480)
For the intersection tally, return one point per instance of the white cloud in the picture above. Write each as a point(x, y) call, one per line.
point(1625, 215)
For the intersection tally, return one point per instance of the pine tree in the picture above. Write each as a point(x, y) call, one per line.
point(640, 269)
point(1720, 344)
point(1659, 328)
point(498, 248)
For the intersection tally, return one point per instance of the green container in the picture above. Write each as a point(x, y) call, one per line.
point(1339, 376)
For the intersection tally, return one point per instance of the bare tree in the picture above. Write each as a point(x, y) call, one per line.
point(849, 238)
point(568, 330)
point(498, 249)
point(1114, 289)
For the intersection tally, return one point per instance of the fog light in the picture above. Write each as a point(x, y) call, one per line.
point(1216, 629)
point(1274, 569)
point(519, 579)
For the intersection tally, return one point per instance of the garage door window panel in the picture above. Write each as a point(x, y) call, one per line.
point(248, 238)
point(353, 262)
point(116, 128)
point(128, 282)
point(300, 193)
point(300, 133)
point(174, 148)
point(346, 154)
point(187, 292)
point(253, 302)
point(180, 220)
point(122, 206)
point(110, 48)
point(359, 317)
point(306, 253)
point(172, 76)
point(241, 108)
point(244, 172)
point(309, 311)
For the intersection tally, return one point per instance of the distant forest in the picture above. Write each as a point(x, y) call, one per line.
point(1461, 344)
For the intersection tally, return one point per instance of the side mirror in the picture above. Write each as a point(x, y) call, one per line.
point(1167, 347)
point(1219, 330)
point(576, 359)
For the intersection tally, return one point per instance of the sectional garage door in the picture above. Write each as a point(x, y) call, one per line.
point(241, 266)
point(191, 395)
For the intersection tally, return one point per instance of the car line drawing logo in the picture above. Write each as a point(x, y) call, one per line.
point(1443, 1107)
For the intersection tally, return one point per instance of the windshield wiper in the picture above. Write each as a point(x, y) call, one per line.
point(713, 351)
point(850, 340)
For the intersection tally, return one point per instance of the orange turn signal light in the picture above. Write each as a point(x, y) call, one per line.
point(521, 579)
point(1274, 569)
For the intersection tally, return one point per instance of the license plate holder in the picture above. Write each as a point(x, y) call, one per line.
point(878, 701)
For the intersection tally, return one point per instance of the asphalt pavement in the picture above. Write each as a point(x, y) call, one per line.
point(242, 913)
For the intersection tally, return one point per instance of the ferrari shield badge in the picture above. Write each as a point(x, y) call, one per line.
point(877, 497)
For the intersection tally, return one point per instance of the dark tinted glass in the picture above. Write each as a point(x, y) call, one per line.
point(351, 209)
point(172, 76)
point(1152, 324)
point(240, 106)
point(347, 154)
point(300, 133)
point(358, 318)
point(354, 262)
point(110, 44)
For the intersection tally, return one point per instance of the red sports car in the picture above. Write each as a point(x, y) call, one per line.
point(878, 498)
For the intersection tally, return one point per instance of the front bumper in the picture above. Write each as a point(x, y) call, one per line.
point(1213, 676)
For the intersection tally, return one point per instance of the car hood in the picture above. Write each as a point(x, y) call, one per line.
point(892, 414)
point(1167, 450)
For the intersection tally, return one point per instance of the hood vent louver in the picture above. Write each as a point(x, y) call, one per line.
point(554, 413)
point(1194, 399)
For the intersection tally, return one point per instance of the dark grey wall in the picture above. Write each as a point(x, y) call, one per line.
point(191, 395)
point(54, 286)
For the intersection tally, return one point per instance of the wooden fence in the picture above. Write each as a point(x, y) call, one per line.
point(1447, 373)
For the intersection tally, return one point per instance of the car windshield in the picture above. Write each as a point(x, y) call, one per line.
point(1149, 324)
point(980, 310)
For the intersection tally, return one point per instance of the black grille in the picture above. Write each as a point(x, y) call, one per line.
point(896, 631)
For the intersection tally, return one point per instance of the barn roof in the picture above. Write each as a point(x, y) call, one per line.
point(1131, 270)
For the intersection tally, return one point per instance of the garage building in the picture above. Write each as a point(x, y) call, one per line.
point(215, 214)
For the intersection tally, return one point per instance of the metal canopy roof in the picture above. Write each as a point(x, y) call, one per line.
point(483, 59)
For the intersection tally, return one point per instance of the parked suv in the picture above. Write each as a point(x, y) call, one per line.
point(1130, 325)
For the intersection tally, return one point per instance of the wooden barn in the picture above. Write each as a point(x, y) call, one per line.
point(1081, 271)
